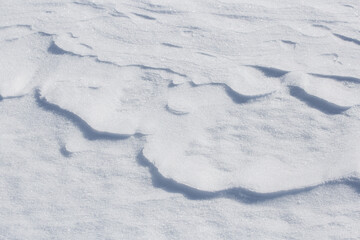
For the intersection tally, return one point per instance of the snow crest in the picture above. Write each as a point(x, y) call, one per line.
point(244, 99)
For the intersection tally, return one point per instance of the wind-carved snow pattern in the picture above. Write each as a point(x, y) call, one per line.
point(243, 98)
point(267, 145)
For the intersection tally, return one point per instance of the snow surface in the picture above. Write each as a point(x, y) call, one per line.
point(159, 119)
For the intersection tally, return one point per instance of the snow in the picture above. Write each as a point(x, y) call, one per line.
point(179, 119)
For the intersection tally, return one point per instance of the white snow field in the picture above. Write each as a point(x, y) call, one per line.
point(191, 119)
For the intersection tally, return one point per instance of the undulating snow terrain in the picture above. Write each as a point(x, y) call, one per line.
point(167, 119)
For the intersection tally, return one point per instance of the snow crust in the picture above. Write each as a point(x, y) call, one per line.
point(252, 101)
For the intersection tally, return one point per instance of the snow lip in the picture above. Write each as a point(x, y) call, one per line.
point(238, 194)
point(88, 132)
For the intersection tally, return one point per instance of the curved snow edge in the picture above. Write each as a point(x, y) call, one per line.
point(88, 132)
point(239, 194)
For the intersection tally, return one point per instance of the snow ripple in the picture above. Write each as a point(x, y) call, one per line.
point(242, 107)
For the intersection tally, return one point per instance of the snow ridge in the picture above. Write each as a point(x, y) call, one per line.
point(202, 97)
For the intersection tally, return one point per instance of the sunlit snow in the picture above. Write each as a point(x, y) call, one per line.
point(158, 119)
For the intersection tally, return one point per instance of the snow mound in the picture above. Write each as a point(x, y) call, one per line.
point(270, 144)
point(230, 95)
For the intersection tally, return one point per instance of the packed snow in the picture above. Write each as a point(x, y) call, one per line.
point(157, 119)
